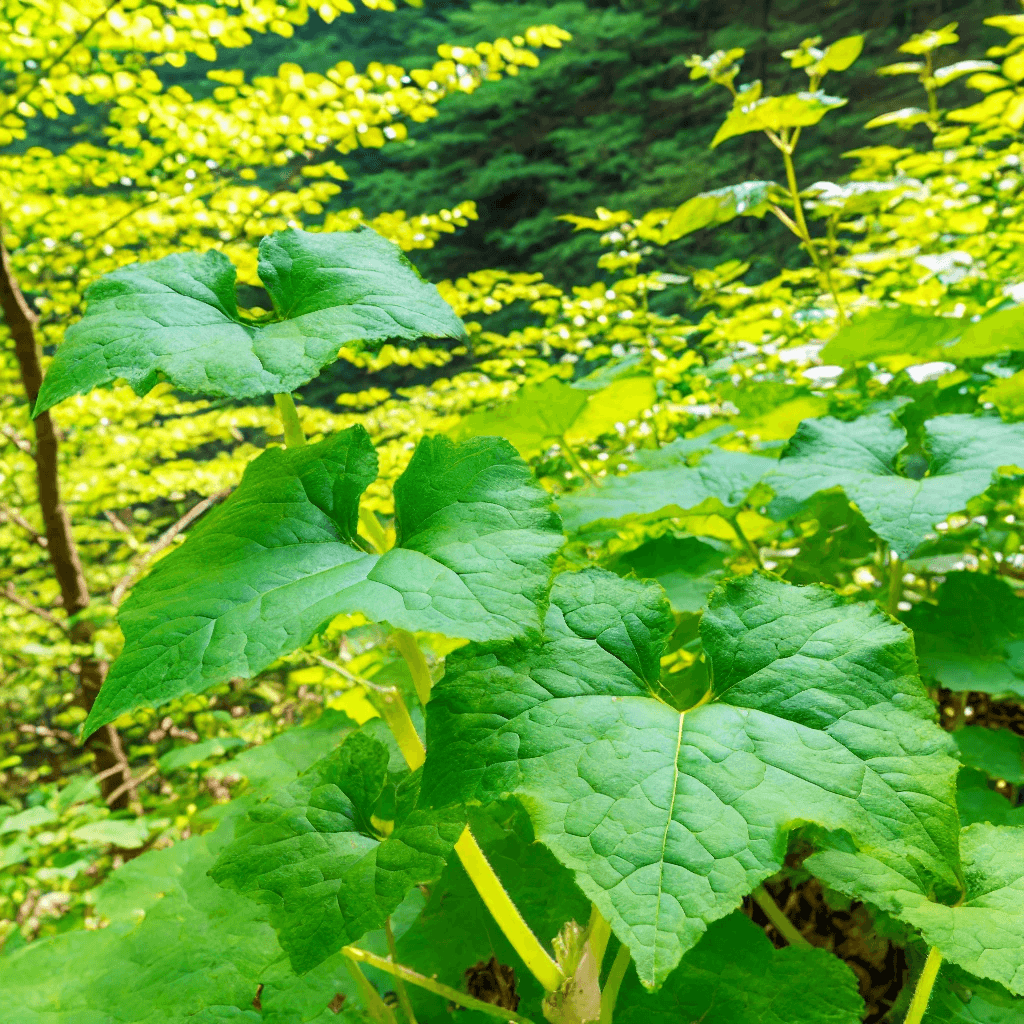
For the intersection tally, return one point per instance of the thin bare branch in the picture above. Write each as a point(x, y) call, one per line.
point(14, 516)
point(350, 676)
point(131, 785)
point(17, 440)
point(165, 539)
point(15, 598)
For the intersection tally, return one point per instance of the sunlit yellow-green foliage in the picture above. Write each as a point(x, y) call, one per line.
point(173, 174)
point(936, 225)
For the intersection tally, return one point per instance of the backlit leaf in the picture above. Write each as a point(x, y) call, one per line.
point(775, 113)
point(669, 818)
point(891, 332)
point(276, 561)
point(552, 412)
point(720, 481)
point(176, 318)
point(861, 458)
point(708, 209)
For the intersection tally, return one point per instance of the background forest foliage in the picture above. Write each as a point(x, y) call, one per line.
point(674, 332)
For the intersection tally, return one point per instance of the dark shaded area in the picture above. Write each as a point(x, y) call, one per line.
point(879, 964)
point(611, 119)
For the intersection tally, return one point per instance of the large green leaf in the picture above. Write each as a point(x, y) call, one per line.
point(997, 752)
point(669, 818)
point(963, 1000)
point(735, 976)
point(552, 411)
point(903, 330)
point(1002, 331)
point(179, 948)
point(688, 568)
point(972, 638)
point(262, 572)
point(330, 866)
point(177, 319)
point(773, 113)
point(1007, 395)
point(709, 209)
point(719, 482)
point(983, 932)
point(862, 458)
point(977, 802)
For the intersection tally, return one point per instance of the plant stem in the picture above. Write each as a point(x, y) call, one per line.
point(393, 710)
point(418, 667)
point(403, 994)
point(105, 743)
point(747, 542)
point(610, 992)
point(599, 931)
point(798, 209)
point(506, 913)
point(923, 990)
point(782, 924)
point(895, 584)
point(573, 460)
point(480, 872)
point(431, 985)
point(293, 435)
point(372, 530)
point(375, 1006)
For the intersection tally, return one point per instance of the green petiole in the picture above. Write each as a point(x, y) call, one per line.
point(293, 435)
point(925, 984)
point(353, 953)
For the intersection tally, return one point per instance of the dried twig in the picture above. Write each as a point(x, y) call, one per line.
point(17, 440)
point(12, 595)
point(352, 677)
point(61, 549)
point(131, 784)
point(14, 516)
point(164, 540)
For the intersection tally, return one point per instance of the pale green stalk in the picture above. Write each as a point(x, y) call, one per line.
point(610, 992)
point(895, 584)
point(418, 667)
point(506, 913)
point(923, 990)
point(293, 435)
point(432, 985)
point(599, 931)
point(782, 924)
point(375, 1006)
point(403, 995)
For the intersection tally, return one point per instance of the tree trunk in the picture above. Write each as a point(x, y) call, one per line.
point(67, 566)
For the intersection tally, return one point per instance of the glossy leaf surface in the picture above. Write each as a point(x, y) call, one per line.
point(861, 457)
point(177, 319)
point(262, 572)
point(669, 818)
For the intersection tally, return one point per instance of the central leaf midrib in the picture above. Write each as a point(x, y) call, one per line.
point(664, 845)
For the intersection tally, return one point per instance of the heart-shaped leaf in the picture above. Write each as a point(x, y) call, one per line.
point(262, 572)
point(667, 817)
point(861, 458)
point(330, 868)
point(982, 930)
point(177, 319)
